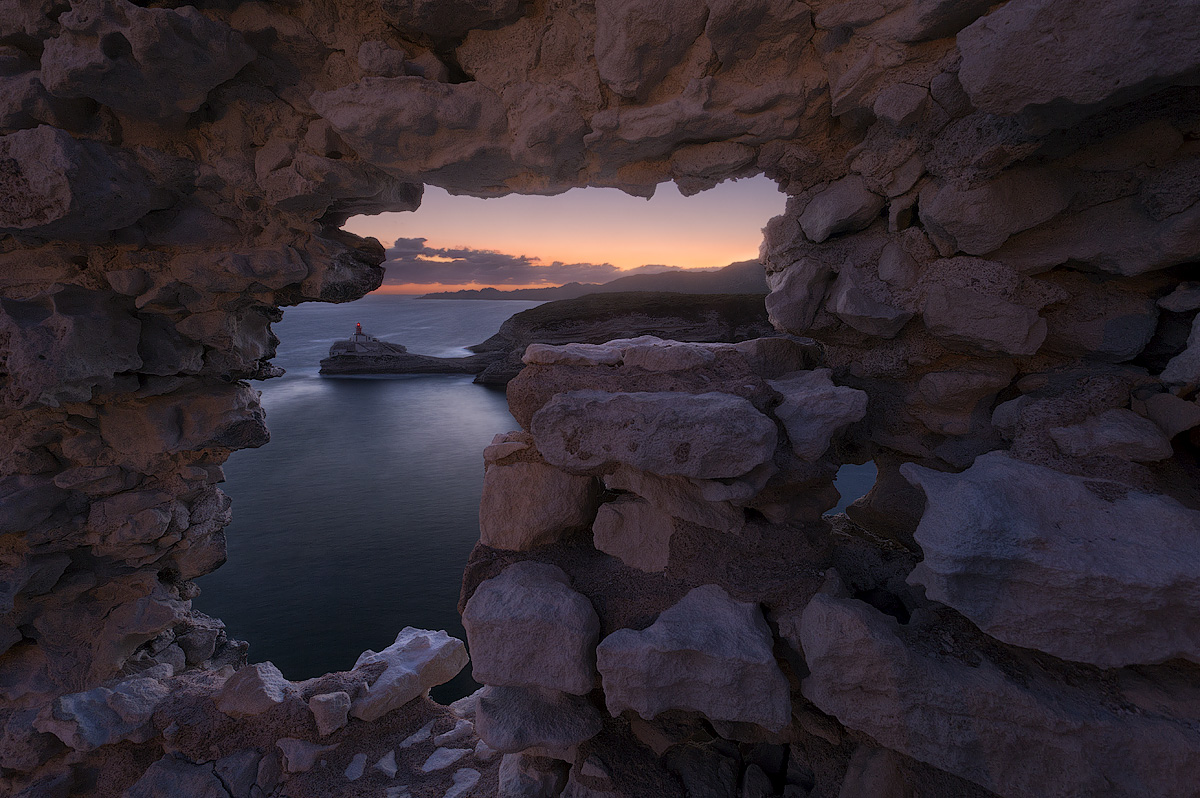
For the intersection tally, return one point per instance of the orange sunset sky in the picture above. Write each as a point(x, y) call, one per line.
point(515, 241)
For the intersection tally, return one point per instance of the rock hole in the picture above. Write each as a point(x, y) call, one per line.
point(114, 45)
point(853, 482)
point(885, 601)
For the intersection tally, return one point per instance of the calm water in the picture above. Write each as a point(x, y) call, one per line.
point(357, 519)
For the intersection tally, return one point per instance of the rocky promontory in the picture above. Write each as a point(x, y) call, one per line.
point(596, 318)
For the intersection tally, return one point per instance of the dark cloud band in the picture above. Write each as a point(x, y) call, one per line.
point(411, 261)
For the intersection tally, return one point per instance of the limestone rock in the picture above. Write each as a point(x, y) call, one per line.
point(1114, 433)
point(103, 716)
point(901, 104)
point(514, 719)
point(796, 294)
point(386, 765)
point(1185, 297)
point(300, 756)
point(853, 305)
point(572, 355)
point(354, 770)
point(708, 435)
point(55, 186)
point(1172, 414)
point(253, 690)
point(845, 206)
point(525, 505)
point(173, 776)
point(462, 729)
point(990, 323)
point(149, 62)
point(978, 220)
point(639, 41)
point(814, 410)
point(1009, 67)
point(635, 532)
point(683, 498)
point(463, 783)
point(82, 340)
point(916, 703)
point(441, 21)
point(528, 628)
point(443, 758)
point(330, 711)
point(1030, 556)
point(523, 776)
point(708, 654)
point(1184, 368)
point(417, 661)
point(412, 127)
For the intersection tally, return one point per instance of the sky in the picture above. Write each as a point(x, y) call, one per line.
point(588, 235)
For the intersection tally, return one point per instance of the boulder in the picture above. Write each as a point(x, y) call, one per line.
point(901, 104)
point(253, 690)
point(850, 303)
point(145, 62)
point(978, 220)
point(173, 776)
point(635, 532)
point(1042, 559)
point(639, 41)
point(685, 498)
point(526, 505)
point(103, 716)
point(55, 186)
point(1013, 737)
point(330, 711)
point(1098, 56)
point(983, 322)
point(1172, 414)
point(417, 661)
point(513, 719)
point(1114, 433)
point(523, 776)
point(528, 628)
point(708, 654)
point(708, 435)
point(845, 206)
point(814, 410)
point(797, 292)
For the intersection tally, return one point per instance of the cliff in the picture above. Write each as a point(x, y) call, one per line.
point(992, 232)
point(597, 318)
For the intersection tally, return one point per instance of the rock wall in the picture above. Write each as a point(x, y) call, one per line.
point(991, 231)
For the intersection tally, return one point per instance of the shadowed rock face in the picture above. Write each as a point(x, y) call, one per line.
point(989, 217)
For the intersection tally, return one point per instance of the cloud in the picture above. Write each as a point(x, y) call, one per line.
point(409, 260)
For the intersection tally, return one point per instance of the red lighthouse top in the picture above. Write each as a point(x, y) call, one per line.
point(358, 329)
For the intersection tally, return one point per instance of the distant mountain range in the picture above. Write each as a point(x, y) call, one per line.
point(745, 277)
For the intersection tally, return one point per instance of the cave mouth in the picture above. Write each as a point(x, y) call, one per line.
point(358, 518)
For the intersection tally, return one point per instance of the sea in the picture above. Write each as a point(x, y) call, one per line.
point(357, 519)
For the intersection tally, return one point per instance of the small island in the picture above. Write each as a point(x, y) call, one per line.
point(366, 354)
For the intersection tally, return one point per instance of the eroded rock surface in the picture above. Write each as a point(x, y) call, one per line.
point(991, 234)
